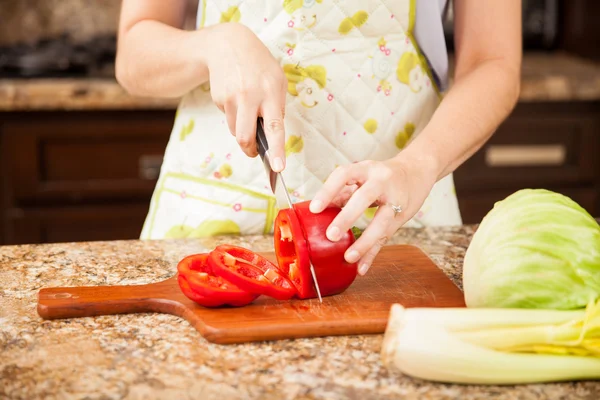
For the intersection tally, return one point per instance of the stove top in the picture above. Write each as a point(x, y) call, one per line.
point(60, 57)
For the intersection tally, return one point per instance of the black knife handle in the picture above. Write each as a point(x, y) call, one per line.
point(261, 138)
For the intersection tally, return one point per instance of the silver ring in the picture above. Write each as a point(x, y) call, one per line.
point(396, 209)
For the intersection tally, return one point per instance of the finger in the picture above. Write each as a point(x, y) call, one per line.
point(340, 177)
point(245, 132)
point(362, 198)
point(367, 260)
point(275, 132)
point(342, 197)
point(230, 110)
point(371, 240)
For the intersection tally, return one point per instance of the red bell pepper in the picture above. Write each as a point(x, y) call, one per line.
point(195, 297)
point(250, 271)
point(199, 284)
point(300, 238)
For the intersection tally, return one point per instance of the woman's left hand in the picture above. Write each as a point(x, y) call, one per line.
point(401, 181)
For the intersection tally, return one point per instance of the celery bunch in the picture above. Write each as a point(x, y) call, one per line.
point(494, 345)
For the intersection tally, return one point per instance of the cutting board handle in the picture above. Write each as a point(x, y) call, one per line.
point(88, 301)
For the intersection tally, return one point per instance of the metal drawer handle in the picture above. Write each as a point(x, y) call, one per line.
point(525, 155)
point(149, 166)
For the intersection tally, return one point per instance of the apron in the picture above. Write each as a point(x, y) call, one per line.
point(358, 89)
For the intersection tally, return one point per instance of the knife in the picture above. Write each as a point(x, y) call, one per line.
point(278, 186)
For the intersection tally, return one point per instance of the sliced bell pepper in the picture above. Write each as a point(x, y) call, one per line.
point(250, 271)
point(195, 297)
point(199, 284)
point(299, 238)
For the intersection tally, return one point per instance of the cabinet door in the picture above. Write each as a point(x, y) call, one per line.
point(539, 145)
point(551, 146)
point(56, 158)
point(75, 224)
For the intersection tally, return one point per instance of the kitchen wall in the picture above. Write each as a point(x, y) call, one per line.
point(28, 21)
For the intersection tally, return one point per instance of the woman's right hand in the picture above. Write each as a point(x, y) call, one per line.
point(246, 81)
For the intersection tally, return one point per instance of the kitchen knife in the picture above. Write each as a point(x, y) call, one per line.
point(282, 196)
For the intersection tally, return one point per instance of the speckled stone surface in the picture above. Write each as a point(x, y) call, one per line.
point(545, 77)
point(148, 356)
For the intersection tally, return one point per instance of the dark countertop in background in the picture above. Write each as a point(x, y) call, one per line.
point(545, 77)
point(149, 356)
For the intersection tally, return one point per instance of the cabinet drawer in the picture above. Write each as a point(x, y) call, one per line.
point(536, 150)
point(475, 205)
point(74, 224)
point(74, 156)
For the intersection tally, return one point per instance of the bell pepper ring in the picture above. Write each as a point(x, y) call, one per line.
point(195, 297)
point(250, 272)
point(299, 238)
point(198, 283)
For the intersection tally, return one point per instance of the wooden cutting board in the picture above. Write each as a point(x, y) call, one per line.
point(400, 274)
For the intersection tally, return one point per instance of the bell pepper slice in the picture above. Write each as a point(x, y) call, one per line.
point(198, 282)
point(300, 238)
point(250, 272)
point(195, 297)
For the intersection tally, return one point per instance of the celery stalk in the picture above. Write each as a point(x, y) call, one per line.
point(493, 346)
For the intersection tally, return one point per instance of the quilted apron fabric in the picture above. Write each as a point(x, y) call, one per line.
point(358, 89)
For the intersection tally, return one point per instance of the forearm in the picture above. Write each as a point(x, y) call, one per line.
point(473, 109)
point(158, 60)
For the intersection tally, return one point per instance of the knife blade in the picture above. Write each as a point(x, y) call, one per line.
point(278, 186)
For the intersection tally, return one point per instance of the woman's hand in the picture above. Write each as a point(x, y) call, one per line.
point(401, 181)
point(247, 81)
point(156, 57)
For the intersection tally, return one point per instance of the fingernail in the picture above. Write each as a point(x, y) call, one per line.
point(333, 233)
point(363, 269)
point(315, 206)
point(352, 256)
point(278, 164)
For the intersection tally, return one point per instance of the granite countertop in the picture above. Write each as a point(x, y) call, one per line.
point(160, 356)
point(545, 77)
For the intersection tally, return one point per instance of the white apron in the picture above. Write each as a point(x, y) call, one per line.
point(359, 89)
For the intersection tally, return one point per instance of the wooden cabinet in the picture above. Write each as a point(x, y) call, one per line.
point(547, 145)
point(80, 176)
point(77, 176)
point(76, 223)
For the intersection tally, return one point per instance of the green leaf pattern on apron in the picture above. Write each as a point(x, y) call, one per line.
point(231, 15)
point(404, 136)
point(186, 130)
point(294, 144)
point(356, 21)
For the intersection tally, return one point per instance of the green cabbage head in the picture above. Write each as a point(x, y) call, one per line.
point(534, 249)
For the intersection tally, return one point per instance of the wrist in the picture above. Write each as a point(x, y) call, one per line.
point(423, 158)
point(212, 42)
point(204, 46)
